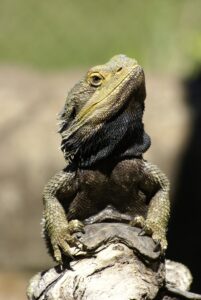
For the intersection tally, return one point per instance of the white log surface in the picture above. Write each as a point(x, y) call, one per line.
point(124, 266)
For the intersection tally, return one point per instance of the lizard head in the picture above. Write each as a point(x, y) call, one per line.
point(102, 116)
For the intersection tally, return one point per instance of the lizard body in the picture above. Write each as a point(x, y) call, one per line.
point(106, 177)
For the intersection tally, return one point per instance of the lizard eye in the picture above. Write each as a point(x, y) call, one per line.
point(95, 79)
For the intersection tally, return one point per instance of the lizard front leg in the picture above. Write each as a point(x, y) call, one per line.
point(56, 226)
point(156, 221)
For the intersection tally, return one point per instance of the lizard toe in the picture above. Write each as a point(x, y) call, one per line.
point(138, 221)
point(75, 226)
point(57, 254)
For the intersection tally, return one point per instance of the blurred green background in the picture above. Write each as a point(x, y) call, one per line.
point(45, 46)
point(164, 35)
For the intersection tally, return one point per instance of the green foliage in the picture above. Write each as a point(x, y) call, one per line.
point(49, 34)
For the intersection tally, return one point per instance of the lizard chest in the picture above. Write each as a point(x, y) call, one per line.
point(98, 189)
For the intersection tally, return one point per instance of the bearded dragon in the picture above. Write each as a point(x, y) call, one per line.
point(105, 177)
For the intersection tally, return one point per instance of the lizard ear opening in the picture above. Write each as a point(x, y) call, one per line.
point(73, 113)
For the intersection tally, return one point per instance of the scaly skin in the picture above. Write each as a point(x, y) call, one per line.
point(56, 225)
point(106, 177)
point(157, 217)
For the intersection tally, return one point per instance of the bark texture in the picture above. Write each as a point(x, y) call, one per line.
point(121, 265)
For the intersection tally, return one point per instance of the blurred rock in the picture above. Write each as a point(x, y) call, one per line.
point(13, 285)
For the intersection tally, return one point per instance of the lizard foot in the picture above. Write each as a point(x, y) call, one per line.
point(64, 243)
point(152, 229)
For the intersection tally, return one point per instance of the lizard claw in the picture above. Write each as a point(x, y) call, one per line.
point(63, 242)
point(157, 246)
point(142, 232)
point(150, 228)
point(140, 222)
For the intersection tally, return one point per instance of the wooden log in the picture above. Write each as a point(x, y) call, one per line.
point(121, 265)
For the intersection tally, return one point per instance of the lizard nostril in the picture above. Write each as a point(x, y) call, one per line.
point(119, 69)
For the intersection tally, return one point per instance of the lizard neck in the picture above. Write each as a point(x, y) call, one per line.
point(120, 138)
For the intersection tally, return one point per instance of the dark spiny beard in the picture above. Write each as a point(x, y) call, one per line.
point(122, 136)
